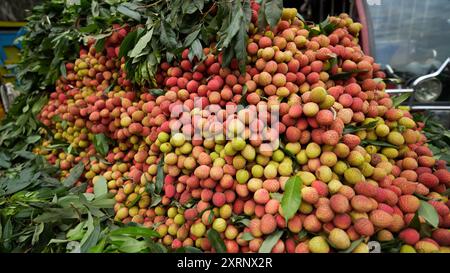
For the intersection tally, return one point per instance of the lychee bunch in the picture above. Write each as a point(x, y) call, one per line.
point(206, 154)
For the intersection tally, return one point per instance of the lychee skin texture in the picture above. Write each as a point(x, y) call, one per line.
point(318, 245)
point(364, 227)
point(339, 203)
point(380, 218)
point(410, 236)
point(261, 196)
point(339, 238)
point(268, 224)
point(409, 203)
point(361, 203)
point(426, 247)
point(442, 236)
point(428, 179)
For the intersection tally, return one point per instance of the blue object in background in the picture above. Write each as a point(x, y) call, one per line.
point(7, 38)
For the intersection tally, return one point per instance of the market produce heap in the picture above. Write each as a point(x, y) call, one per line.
point(346, 166)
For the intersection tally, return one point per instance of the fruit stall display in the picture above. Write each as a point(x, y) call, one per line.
point(127, 153)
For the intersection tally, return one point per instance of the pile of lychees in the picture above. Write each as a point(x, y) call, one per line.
point(206, 154)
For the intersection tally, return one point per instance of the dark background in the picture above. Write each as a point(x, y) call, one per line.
point(15, 10)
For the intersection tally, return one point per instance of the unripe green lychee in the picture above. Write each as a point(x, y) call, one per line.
point(355, 159)
point(395, 138)
point(382, 130)
point(339, 238)
point(361, 248)
point(313, 150)
point(198, 229)
point(353, 175)
point(318, 245)
point(219, 225)
point(318, 95)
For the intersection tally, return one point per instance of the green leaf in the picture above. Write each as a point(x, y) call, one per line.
point(75, 173)
point(273, 10)
point(141, 44)
point(156, 92)
point(216, 242)
point(191, 38)
point(62, 70)
point(299, 16)
point(108, 89)
point(415, 222)
point(262, 21)
point(446, 193)
point(350, 129)
point(99, 247)
point(77, 232)
point(234, 27)
point(131, 245)
point(101, 144)
point(89, 28)
point(95, 9)
point(240, 47)
point(270, 242)
point(127, 44)
point(37, 106)
point(247, 236)
point(4, 161)
point(167, 35)
point(159, 176)
point(327, 27)
point(377, 143)
point(188, 249)
point(196, 50)
point(353, 245)
point(277, 196)
point(32, 139)
point(291, 197)
point(156, 247)
point(397, 100)
point(100, 186)
point(92, 239)
point(100, 45)
point(244, 221)
point(135, 232)
point(428, 212)
point(128, 12)
point(37, 232)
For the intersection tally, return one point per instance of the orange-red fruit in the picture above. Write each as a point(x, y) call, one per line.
point(366, 189)
point(442, 236)
point(268, 224)
point(324, 117)
point(261, 196)
point(330, 137)
point(444, 176)
point(361, 203)
point(408, 203)
point(364, 227)
point(381, 218)
point(410, 236)
point(339, 203)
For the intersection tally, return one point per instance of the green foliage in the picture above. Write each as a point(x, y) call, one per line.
point(37, 210)
point(270, 242)
point(170, 27)
point(438, 137)
point(55, 31)
point(292, 197)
